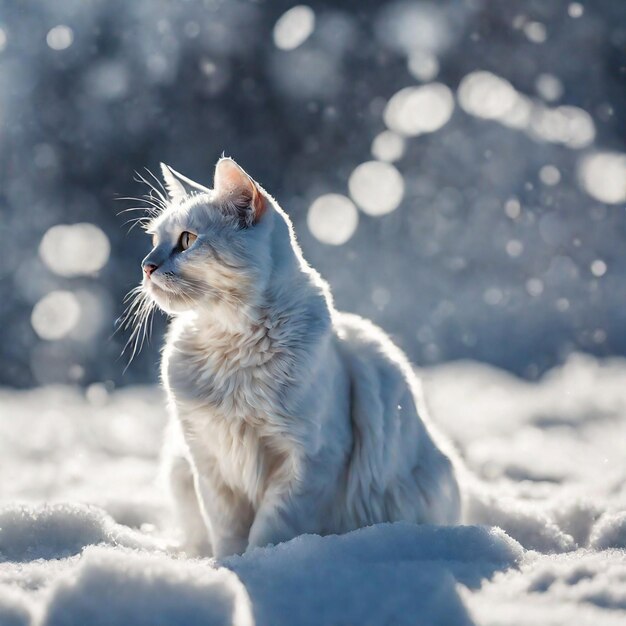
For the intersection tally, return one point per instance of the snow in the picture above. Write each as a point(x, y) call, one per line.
point(386, 574)
point(609, 532)
point(124, 587)
point(86, 534)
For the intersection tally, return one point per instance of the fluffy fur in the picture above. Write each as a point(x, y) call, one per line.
point(288, 417)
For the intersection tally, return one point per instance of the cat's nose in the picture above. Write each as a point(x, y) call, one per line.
point(148, 268)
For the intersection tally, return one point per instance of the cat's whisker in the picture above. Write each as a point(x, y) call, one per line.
point(143, 221)
point(161, 198)
point(143, 209)
point(151, 323)
point(160, 190)
point(163, 192)
point(131, 318)
point(141, 218)
point(152, 207)
point(140, 317)
point(158, 204)
point(124, 320)
point(134, 291)
point(143, 331)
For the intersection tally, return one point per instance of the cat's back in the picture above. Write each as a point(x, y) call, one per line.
point(368, 348)
point(380, 372)
point(395, 444)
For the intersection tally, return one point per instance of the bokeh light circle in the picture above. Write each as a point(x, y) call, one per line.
point(60, 37)
point(486, 95)
point(388, 146)
point(376, 187)
point(75, 250)
point(55, 315)
point(294, 27)
point(416, 110)
point(603, 176)
point(423, 65)
point(549, 175)
point(332, 219)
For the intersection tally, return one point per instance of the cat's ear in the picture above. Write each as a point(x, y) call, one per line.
point(233, 186)
point(179, 186)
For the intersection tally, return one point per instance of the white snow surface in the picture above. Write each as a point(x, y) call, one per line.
point(86, 534)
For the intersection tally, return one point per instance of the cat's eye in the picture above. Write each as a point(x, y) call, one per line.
point(187, 239)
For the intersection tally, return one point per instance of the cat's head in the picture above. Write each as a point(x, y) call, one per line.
point(209, 245)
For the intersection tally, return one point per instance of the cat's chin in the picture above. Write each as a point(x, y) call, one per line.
point(167, 301)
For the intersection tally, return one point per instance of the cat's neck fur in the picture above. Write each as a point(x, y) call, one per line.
point(292, 305)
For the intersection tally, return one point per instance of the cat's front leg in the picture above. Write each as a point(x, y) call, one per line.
point(187, 505)
point(285, 514)
point(228, 516)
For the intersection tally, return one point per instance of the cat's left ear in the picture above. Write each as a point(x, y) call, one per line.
point(234, 187)
point(179, 186)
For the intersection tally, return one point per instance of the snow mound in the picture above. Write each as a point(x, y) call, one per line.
point(14, 607)
point(529, 525)
point(547, 459)
point(610, 532)
point(582, 588)
point(545, 540)
point(385, 574)
point(58, 531)
point(116, 587)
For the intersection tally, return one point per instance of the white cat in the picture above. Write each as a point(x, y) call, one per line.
point(288, 417)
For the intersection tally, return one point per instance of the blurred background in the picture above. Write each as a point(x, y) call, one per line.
point(455, 169)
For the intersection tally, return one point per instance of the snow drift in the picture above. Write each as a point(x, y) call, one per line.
point(85, 534)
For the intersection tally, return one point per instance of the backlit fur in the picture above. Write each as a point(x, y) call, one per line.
point(288, 417)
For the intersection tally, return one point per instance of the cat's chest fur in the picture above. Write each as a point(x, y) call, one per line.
point(226, 387)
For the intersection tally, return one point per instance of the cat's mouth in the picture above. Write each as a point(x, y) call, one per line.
point(167, 297)
point(151, 287)
point(159, 283)
point(158, 292)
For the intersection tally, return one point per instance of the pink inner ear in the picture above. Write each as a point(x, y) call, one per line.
point(258, 203)
point(230, 179)
point(233, 183)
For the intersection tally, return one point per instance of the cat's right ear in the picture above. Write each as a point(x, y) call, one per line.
point(179, 186)
point(234, 186)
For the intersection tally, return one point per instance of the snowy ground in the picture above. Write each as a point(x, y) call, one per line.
point(549, 488)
